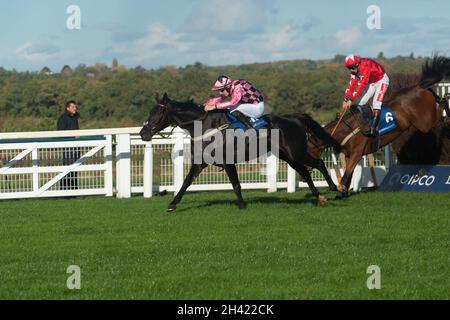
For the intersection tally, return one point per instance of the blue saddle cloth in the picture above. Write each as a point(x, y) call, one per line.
point(387, 119)
point(256, 123)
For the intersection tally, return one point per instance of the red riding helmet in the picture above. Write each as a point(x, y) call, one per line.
point(222, 82)
point(351, 61)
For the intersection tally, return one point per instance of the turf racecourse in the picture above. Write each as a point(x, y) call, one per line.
point(282, 247)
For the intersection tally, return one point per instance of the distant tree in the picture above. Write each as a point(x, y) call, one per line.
point(339, 58)
point(124, 96)
point(101, 67)
point(115, 64)
point(66, 70)
point(139, 69)
point(121, 68)
point(411, 56)
point(46, 71)
point(381, 55)
point(171, 69)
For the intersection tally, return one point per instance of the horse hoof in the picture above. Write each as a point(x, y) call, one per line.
point(322, 200)
point(340, 196)
point(242, 206)
point(171, 208)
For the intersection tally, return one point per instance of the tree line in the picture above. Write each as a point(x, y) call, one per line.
point(117, 96)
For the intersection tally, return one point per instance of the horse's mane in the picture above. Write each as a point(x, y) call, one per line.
point(187, 103)
point(399, 84)
point(435, 70)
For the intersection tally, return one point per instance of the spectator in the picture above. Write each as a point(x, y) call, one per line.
point(69, 121)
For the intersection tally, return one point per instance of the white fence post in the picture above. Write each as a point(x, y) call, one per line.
point(123, 166)
point(292, 179)
point(148, 170)
point(272, 172)
point(178, 160)
point(107, 153)
point(35, 164)
point(443, 88)
point(358, 175)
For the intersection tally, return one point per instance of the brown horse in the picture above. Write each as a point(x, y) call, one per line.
point(417, 105)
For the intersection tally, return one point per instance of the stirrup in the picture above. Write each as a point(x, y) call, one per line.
point(371, 133)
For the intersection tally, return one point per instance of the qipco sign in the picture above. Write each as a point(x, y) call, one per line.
point(412, 180)
point(417, 178)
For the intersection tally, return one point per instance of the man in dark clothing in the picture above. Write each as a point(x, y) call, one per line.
point(69, 121)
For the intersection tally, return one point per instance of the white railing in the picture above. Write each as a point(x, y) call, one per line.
point(52, 168)
point(39, 164)
point(443, 89)
point(173, 155)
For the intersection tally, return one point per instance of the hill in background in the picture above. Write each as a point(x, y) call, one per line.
point(116, 96)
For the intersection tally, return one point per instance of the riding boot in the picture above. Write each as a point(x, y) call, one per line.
point(242, 118)
point(373, 132)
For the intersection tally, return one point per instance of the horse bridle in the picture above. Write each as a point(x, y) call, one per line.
point(166, 108)
point(173, 123)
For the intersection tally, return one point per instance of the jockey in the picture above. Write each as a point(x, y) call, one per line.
point(366, 72)
point(241, 97)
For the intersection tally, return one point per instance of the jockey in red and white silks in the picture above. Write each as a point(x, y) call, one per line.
point(237, 96)
point(366, 72)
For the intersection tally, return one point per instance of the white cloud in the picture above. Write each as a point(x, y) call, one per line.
point(348, 38)
point(34, 53)
point(224, 18)
point(286, 38)
point(163, 46)
point(157, 42)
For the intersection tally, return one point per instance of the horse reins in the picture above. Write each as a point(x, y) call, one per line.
point(341, 116)
point(174, 124)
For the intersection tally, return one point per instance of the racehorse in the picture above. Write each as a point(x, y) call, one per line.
point(292, 145)
point(416, 105)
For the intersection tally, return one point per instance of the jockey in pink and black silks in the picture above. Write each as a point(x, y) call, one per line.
point(366, 74)
point(241, 97)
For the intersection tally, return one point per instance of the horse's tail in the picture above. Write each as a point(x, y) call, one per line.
point(434, 70)
point(319, 132)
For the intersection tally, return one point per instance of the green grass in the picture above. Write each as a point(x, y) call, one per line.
point(282, 247)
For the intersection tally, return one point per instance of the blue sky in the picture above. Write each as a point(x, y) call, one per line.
point(153, 33)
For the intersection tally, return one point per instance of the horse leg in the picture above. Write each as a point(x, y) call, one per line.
point(320, 165)
point(195, 170)
point(303, 171)
point(351, 163)
point(231, 171)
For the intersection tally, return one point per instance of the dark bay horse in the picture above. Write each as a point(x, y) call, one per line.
point(416, 105)
point(292, 142)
